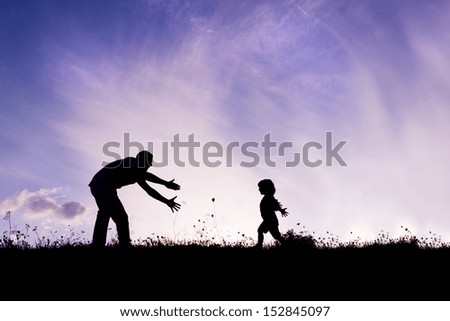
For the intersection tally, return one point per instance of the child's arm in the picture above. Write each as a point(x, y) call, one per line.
point(282, 210)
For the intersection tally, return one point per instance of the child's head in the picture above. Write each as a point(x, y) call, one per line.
point(266, 187)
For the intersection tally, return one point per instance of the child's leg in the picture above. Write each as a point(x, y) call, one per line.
point(262, 229)
point(260, 239)
point(276, 234)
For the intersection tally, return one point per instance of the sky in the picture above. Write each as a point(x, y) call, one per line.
point(358, 89)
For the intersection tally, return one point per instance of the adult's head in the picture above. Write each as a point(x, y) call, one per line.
point(145, 159)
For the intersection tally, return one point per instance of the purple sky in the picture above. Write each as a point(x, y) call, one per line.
point(77, 75)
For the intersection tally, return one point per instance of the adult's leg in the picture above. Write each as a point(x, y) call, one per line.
point(105, 199)
point(120, 217)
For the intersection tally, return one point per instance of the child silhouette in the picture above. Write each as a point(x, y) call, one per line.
point(268, 207)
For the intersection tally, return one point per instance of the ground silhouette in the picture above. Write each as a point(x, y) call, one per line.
point(301, 270)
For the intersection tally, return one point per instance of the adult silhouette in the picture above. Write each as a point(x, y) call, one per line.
point(268, 206)
point(104, 187)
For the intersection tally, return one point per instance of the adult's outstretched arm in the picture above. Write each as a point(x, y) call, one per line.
point(153, 193)
point(155, 179)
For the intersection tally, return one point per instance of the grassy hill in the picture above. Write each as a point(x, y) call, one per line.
point(302, 269)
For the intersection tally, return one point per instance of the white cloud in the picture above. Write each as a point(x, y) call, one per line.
point(71, 210)
point(43, 203)
point(16, 202)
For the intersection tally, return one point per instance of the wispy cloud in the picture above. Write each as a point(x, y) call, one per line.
point(273, 70)
point(375, 75)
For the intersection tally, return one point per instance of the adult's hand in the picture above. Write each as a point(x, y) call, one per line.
point(174, 206)
point(172, 185)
